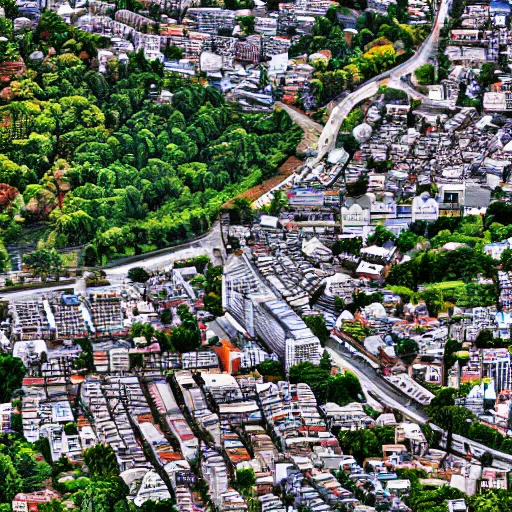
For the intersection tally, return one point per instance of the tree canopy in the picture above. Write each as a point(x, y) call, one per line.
point(101, 164)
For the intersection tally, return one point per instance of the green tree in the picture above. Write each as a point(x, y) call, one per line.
point(325, 361)
point(315, 377)
point(444, 397)
point(434, 300)
point(173, 52)
point(245, 480)
point(425, 74)
point(344, 388)
point(352, 245)
point(485, 339)
point(44, 262)
point(279, 201)
point(496, 500)
point(101, 461)
point(138, 275)
point(12, 372)
point(5, 262)
point(166, 316)
point(12, 483)
point(213, 304)
point(318, 327)
point(381, 236)
point(487, 75)
point(270, 368)
point(407, 347)
point(349, 143)
point(157, 506)
point(359, 187)
point(506, 260)
point(52, 506)
point(407, 241)
point(339, 303)
point(186, 337)
point(247, 24)
point(10, 8)
point(361, 444)
point(241, 211)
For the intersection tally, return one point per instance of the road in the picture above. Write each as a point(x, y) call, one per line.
point(205, 245)
point(312, 130)
point(116, 274)
point(378, 387)
point(327, 141)
point(389, 396)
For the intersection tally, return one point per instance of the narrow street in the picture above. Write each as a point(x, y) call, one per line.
point(378, 389)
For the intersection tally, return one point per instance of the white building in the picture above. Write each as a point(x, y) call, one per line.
point(258, 310)
point(354, 218)
point(425, 208)
point(495, 249)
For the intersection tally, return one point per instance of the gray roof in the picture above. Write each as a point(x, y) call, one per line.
point(477, 197)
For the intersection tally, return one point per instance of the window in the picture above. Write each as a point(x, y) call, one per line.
point(451, 197)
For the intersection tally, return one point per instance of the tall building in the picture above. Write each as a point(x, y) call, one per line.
point(262, 314)
point(496, 366)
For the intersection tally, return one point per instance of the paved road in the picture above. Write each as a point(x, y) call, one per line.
point(327, 141)
point(117, 274)
point(205, 245)
point(389, 396)
point(371, 382)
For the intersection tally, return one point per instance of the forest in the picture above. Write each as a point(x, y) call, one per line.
point(98, 161)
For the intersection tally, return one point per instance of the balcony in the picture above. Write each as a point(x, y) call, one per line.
point(449, 206)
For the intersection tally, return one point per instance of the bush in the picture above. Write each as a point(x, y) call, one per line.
point(425, 75)
point(270, 368)
point(138, 275)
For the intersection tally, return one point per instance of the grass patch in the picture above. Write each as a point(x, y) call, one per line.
point(35, 286)
point(446, 285)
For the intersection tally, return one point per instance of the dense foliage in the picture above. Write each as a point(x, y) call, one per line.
point(340, 389)
point(92, 155)
point(12, 372)
point(19, 469)
point(383, 40)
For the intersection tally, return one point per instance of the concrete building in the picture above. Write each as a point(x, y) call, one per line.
point(256, 308)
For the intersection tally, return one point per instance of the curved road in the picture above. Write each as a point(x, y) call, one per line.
point(389, 396)
point(116, 273)
point(327, 141)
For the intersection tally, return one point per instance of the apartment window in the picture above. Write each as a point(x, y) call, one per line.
point(451, 197)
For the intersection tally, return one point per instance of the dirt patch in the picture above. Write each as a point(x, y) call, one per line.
point(286, 170)
point(312, 130)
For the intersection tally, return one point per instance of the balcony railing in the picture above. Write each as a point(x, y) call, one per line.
point(449, 206)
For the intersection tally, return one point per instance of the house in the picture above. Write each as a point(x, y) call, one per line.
point(425, 208)
point(382, 206)
point(476, 199)
point(29, 502)
point(349, 417)
point(456, 505)
point(451, 199)
point(398, 487)
point(495, 249)
point(493, 478)
point(316, 250)
point(376, 254)
point(306, 197)
point(5, 417)
point(355, 217)
point(370, 270)
point(230, 357)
